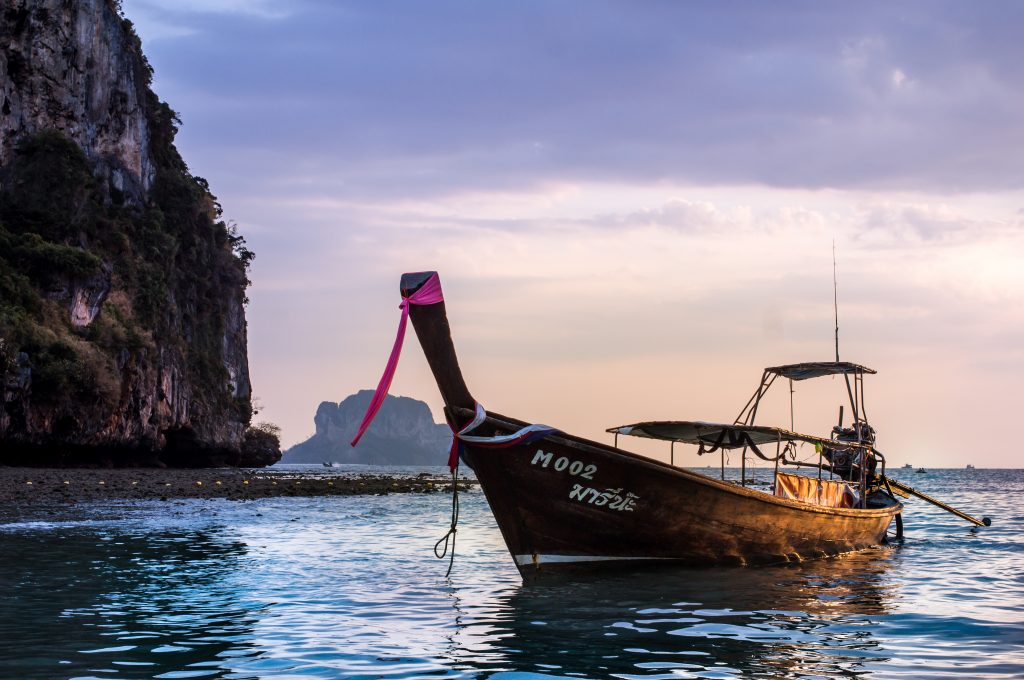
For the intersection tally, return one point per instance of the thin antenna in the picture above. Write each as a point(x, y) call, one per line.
point(835, 297)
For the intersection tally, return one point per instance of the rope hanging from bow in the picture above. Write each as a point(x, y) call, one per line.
point(428, 294)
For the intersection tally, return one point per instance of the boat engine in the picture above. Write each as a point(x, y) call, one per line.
point(846, 462)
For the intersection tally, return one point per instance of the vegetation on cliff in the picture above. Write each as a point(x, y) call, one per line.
point(172, 260)
point(110, 299)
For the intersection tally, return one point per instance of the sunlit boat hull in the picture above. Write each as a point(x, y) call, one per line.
point(569, 503)
point(564, 502)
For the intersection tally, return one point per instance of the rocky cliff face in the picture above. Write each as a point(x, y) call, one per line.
point(77, 68)
point(403, 433)
point(122, 321)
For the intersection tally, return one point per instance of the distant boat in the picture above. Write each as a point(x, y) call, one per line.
point(329, 464)
point(970, 467)
point(920, 471)
point(908, 466)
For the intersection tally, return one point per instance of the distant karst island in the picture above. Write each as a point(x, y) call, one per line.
point(403, 433)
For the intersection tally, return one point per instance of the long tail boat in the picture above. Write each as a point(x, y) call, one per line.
point(564, 502)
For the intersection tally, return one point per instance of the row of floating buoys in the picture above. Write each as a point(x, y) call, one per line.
point(135, 483)
point(428, 486)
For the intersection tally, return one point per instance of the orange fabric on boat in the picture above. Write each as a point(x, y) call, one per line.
point(828, 493)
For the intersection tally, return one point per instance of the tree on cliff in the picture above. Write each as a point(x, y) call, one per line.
point(261, 446)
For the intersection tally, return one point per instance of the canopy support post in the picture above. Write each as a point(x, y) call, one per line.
point(853, 400)
point(778, 454)
point(792, 426)
point(672, 454)
point(863, 476)
point(749, 411)
point(863, 407)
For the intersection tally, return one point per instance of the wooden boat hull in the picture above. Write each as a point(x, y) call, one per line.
point(567, 503)
point(564, 502)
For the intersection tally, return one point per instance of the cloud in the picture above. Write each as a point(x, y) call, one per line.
point(682, 215)
point(172, 21)
point(895, 222)
point(427, 99)
point(258, 8)
point(636, 196)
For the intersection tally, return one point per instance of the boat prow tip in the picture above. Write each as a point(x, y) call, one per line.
point(412, 281)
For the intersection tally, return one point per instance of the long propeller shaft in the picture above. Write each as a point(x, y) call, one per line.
point(983, 522)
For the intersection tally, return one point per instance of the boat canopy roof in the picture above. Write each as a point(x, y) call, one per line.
point(817, 369)
point(721, 435)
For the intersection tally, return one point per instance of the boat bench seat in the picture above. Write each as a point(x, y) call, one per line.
point(825, 492)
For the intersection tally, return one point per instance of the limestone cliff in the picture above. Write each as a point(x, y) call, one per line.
point(122, 320)
point(403, 433)
point(78, 68)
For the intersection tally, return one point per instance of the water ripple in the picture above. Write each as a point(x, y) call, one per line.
point(347, 587)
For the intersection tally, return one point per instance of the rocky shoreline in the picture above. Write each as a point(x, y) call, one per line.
point(48, 485)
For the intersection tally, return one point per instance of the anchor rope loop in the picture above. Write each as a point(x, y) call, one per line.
point(441, 548)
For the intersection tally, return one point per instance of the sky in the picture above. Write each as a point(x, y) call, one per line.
point(632, 205)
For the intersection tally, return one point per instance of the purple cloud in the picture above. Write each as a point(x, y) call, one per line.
point(434, 98)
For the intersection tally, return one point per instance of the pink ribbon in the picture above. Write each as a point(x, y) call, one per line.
point(428, 294)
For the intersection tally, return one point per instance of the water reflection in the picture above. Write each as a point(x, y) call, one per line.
point(348, 587)
point(810, 619)
point(87, 602)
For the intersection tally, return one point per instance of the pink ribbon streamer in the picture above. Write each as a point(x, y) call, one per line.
point(428, 294)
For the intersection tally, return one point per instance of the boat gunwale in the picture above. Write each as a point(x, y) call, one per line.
point(573, 441)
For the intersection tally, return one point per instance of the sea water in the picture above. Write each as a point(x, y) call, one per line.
point(333, 587)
